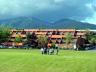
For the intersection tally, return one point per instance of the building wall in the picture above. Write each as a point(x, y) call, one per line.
point(54, 35)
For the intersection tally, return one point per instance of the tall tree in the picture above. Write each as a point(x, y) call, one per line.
point(18, 39)
point(91, 37)
point(32, 39)
point(4, 34)
point(68, 38)
point(80, 43)
point(93, 40)
point(42, 41)
point(88, 34)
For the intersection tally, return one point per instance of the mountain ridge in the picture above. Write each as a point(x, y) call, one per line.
point(32, 22)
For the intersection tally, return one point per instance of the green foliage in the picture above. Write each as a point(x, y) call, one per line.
point(53, 45)
point(68, 38)
point(32, 39)
point(91, 37)
point(4, 34)
point(18, 39)
point(28, 36)
point(42, 41)
point(88, 34)
point(93, 40)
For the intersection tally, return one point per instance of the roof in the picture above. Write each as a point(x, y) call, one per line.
point(16, 35)
point(31, 30)
point(66, 30)
point(81, 33)
point(56, 36)
point(40, 33)
point(42, 30)
point(18, 44)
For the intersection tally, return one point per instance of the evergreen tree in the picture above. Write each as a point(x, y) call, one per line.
point(4, 34)
point(32, 40)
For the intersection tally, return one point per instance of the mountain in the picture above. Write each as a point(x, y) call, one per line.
point(25, 22)
point(30, 22)
point(69, 23)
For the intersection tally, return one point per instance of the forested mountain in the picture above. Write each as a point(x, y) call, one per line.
point(68, 23)
point(25, 22)
point(30, 22)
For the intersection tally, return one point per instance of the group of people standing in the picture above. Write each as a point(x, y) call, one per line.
point(50, 50)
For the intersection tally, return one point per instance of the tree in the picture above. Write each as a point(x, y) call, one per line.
point(32, 40)
point(4, 34)
point(88, 34)
point(42, 41)
point(18, 39)
point(93, 40)
point(68, 38)
point(80, 43)
point(91, 37)
point(53, 45)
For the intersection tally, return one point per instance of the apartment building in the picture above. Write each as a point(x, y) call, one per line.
point(56, 36)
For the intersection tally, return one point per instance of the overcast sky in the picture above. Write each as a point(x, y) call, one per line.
point(50, 10)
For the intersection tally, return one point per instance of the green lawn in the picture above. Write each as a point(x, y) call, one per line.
point(16, 60)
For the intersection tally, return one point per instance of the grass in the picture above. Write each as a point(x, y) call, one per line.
point(18, 60)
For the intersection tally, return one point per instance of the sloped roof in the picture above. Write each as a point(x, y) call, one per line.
point(56, 36)
point(16, 35)
point(40, 33)
point(81, 33)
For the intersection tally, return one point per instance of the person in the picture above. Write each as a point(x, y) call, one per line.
point(51, 51)
point(48, 50)
point(74, 46)
point(45, 50)
point(57, 48)
point(42, 50)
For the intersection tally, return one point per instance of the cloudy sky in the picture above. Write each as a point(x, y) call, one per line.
point(50, 10)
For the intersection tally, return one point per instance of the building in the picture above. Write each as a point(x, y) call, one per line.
point(54, 35)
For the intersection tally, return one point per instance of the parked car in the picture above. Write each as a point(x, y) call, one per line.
point(90, 47)
point(10, 47)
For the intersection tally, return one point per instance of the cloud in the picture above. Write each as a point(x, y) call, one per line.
point(91, 20)
point(76, 9)
point(49, 10)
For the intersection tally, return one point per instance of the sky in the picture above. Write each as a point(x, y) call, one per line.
point(50, 10)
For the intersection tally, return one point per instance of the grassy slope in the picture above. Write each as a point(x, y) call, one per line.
point(33, 61)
